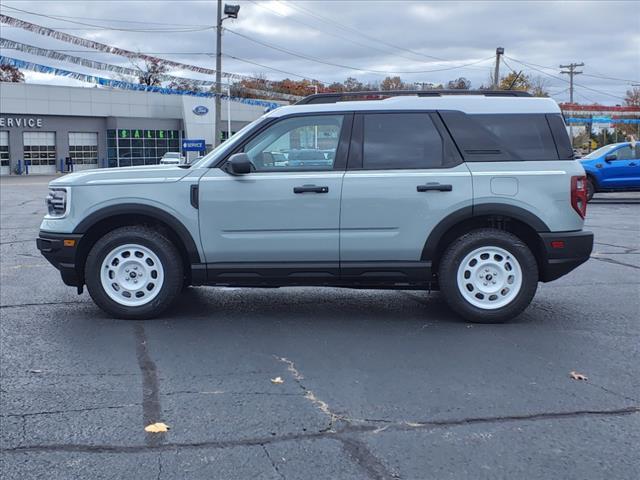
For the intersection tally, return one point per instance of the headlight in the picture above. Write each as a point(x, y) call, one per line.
point(57, 202)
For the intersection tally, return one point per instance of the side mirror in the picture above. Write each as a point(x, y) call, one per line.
point(239, 164)
point(611, 157)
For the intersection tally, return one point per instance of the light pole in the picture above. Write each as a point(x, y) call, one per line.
point(230, 11)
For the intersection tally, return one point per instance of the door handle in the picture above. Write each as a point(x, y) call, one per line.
point(310, 189)
point(632, 164)
point(439, 187)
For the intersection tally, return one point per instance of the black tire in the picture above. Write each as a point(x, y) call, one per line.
point(591, 189)
point(456, 253)
point(162, 247)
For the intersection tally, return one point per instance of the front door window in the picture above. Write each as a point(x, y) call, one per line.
point(297, 144)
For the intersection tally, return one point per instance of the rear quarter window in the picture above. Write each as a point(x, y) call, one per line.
point(528, 136)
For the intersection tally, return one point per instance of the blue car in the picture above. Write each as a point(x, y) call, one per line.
point(613, 168)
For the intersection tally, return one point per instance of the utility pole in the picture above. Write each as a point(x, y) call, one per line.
point(572, 72)
point(218, 103)
point(496, 73)
point(231, 11)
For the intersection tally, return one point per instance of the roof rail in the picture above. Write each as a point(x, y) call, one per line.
point(336, 97)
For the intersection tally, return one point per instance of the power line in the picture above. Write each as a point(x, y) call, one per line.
point(348, 67)
point(106, 19)
point(335, 23)
point(325, 32)
point(102, 27)
point(564, 80)
point(272, 68)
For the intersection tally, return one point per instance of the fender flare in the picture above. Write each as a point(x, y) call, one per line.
point(469, 212)
point(140, 209)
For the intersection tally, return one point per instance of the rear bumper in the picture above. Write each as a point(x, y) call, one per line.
point(63, 257)
point(564, 252)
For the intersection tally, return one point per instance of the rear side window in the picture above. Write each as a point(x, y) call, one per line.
point(528, 136)
point(401, 140)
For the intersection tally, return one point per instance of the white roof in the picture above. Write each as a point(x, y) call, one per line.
point(465, 103)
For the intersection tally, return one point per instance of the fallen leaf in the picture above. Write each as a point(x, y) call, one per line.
point(158, 427)
point(577, 376)
point(277, 380)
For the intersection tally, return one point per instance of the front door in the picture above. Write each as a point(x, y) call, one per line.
point(624, 170)
point(404, 177)
point(286, 212)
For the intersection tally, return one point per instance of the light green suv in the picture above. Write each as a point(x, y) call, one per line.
point(475, 194)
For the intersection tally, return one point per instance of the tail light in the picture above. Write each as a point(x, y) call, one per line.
point(579, 195)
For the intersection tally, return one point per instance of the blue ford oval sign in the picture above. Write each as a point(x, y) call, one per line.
point(200, 110)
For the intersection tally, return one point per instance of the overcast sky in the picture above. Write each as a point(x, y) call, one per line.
point(362, 39)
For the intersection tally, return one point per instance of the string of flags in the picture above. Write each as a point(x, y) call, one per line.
point(108, 82)
point(95, 65)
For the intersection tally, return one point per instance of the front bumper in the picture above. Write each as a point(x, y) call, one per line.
point(61, 250)
point(564, 252)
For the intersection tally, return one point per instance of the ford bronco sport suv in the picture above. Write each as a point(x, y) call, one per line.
point(476, 194)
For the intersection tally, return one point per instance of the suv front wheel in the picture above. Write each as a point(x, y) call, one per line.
point(134, 272)
point(488, 276)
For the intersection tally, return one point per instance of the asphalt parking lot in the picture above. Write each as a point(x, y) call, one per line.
point(377, 384)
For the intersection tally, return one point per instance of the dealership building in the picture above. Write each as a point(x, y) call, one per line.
point(43, 128)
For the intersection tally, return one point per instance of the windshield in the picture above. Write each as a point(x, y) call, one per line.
point(171, 155)
point(229, 144)
point(599, 152)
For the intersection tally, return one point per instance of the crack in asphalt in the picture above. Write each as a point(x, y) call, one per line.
point(73, 410)
point(615, 262)
point(159, 467)
point(19, 305)
point(151, 408)
point(624, 247)
point(373, 427)
point(222, 392)
point(273, 463)
point(17, 241)
point(309, 395)
point(362, 456)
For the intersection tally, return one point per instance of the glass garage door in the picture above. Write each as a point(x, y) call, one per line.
point(4, 153)
point(83, 149)
point(40, 151)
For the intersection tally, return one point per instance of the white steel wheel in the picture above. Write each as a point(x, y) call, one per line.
point(131, 275)
point(489, 277)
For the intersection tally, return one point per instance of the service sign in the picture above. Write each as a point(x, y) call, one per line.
point(193, 145)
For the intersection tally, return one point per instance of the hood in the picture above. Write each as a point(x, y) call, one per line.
point(123, 175)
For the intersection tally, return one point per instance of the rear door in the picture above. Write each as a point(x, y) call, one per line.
point(404, 176)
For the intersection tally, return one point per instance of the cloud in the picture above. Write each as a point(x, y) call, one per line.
point(369, 35)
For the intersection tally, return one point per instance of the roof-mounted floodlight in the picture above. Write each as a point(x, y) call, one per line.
point(231, 11)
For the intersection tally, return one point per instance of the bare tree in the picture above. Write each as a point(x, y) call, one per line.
point(539, 86)
point(151, 74)
point(461, 83)
point(9, 73)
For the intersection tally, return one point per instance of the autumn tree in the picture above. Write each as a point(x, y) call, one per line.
point(515, 81)
point(459, 84)
point(393, 83)
point(152, 73)
point(352, 85)
point(9, 73)
point(632, 99)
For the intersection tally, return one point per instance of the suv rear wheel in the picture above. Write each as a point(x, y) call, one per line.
point(134, 272)
point(488, 276)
